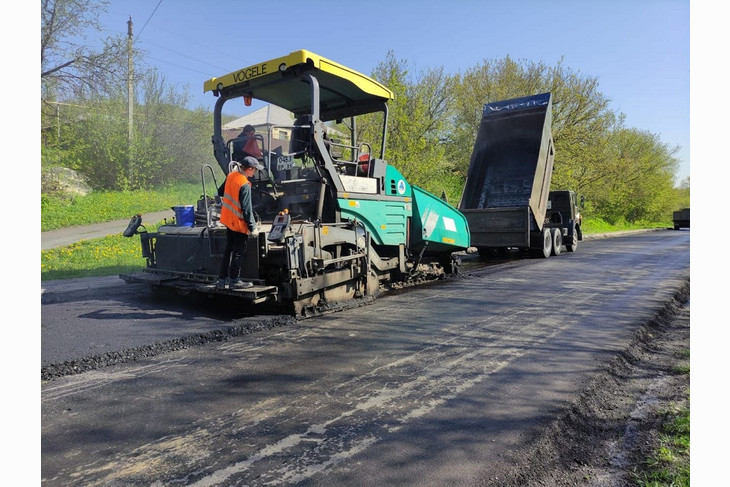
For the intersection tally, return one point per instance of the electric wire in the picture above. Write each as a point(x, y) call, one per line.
point(148, 20)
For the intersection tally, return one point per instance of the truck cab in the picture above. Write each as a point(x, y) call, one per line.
point(564, 208)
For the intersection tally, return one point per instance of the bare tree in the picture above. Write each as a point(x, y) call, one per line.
point(72, 65)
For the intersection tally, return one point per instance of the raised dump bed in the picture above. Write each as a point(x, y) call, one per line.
point(505, 196)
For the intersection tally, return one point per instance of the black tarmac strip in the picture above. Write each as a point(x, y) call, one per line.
point(54, 371)
point(86, 364)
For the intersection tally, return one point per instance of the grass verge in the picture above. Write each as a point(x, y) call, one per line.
point(111, 255)
point(105, 206)
point(597, 225)
point(669, 465)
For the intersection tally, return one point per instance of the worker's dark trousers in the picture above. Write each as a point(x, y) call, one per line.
point(233, 254)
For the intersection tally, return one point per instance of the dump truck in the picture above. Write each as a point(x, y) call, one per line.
point(564, 207)
point(681, 218)
point(506, 199)
point(338, 223)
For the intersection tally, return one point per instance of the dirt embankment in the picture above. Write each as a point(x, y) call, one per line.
point(613, 426)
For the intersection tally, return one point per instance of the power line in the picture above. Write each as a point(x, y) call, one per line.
point(137, 37)
point(187, 56)
point(187, 39)
point(210, 48)
point(148, 20)
point(180, 66)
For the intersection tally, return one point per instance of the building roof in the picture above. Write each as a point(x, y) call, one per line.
point(263, 117)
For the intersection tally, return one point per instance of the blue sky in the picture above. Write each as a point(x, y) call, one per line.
point(638, 50)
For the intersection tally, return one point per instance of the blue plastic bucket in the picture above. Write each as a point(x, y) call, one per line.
point(184, 215)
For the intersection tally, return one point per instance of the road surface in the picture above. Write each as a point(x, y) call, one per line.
point(433, 386)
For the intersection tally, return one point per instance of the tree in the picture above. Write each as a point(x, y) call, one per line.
point(580, 114)
point(84, 94)
point(170, 142)
point(72, 64)
point(416, 119)
point(641, 186)
point(682, 194)
point(582, 122)
point(491, 80)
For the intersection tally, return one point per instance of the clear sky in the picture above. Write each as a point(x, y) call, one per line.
point(639, 50)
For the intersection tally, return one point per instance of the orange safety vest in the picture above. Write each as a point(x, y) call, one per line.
point(231, 212)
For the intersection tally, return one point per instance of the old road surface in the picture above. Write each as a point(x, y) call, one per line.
point(433, 386)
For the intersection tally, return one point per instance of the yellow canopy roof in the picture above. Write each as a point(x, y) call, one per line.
point(277, 81)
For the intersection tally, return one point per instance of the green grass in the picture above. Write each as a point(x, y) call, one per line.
point(669, 465)
point(98, 207)
point(597, 225)
point(111, 255)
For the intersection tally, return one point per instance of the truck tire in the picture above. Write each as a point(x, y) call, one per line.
point(557, 241)
point(547, 245)
point(571, 245)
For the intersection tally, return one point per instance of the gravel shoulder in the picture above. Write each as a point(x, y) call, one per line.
point(613, 425)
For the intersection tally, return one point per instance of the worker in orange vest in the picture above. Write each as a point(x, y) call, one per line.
point(238, 217)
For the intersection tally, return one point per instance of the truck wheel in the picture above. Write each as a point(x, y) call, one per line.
point(557, 240)
point(572, 243)
point(547, 244)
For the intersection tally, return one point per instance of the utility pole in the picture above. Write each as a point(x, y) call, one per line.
point(130, 96)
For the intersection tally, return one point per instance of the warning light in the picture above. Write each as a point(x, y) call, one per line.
point(247, 99)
